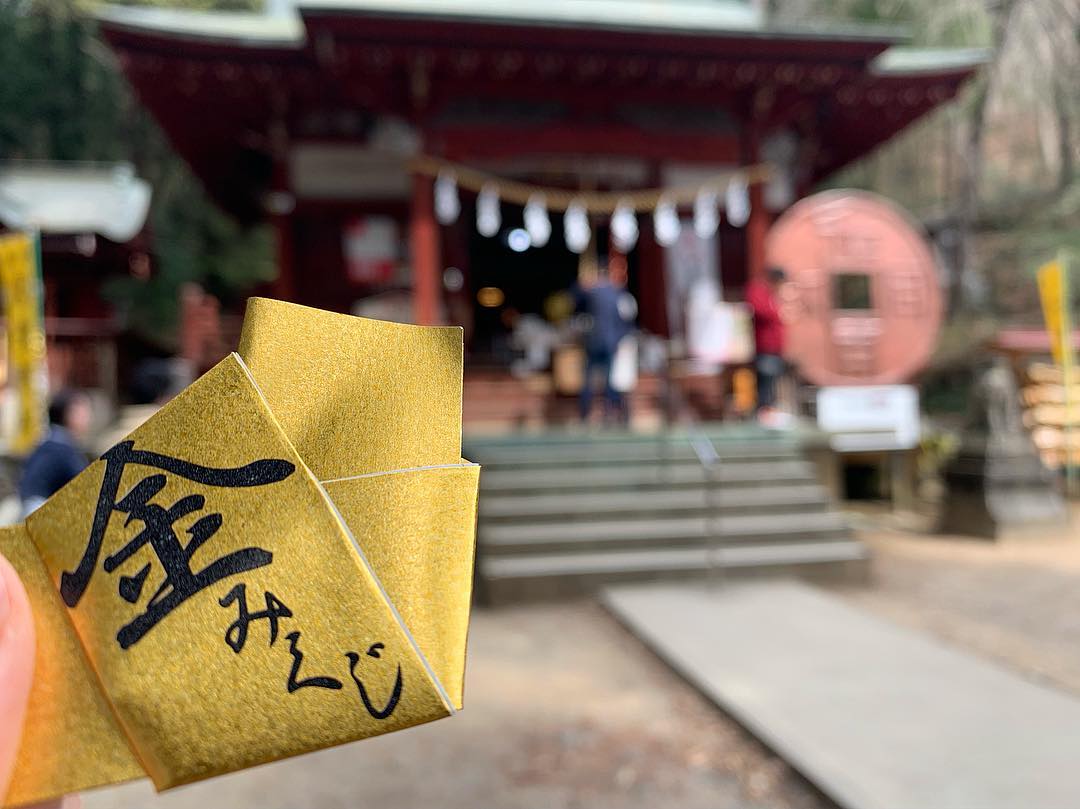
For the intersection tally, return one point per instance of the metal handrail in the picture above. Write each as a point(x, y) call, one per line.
point(709, 458)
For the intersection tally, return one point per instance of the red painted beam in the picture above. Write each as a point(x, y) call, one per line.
point(391, 30)
point(494, 142)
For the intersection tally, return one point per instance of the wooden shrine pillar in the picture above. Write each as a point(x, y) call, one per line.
point(424, 245)
point(758, 224)
point(756, 229)
point(282, 206)
point(652, 287)
point(284, 286)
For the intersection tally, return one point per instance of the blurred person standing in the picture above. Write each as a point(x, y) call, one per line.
point(763, 298)
point(58, 458)
point(605, 305)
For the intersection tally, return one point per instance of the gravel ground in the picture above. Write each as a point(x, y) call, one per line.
point(1016, 601)
point(563, 709)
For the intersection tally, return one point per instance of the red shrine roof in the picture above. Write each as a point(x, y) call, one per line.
point(680, 80)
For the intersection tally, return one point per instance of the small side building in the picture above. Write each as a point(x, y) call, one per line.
point(91, 220)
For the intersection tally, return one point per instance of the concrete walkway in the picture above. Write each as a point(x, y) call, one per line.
point(876, 716)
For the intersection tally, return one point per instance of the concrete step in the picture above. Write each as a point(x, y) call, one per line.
point(742, 441)
point(616, 477)
point(650, 501)
point(600, 453)
point(594, 535)
point(544, 576)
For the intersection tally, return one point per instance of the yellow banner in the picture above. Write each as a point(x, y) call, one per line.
point(21, 285)
point(1054, 292)
point(1051, 278)
point(279, 560)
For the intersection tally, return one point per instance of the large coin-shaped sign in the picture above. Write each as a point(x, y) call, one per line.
point(864, 301)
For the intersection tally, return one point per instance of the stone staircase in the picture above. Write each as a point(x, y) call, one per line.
point(562, 513)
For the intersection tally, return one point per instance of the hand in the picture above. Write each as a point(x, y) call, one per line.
point(16, 671)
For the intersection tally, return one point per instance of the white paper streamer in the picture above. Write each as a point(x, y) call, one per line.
point(576, 227)
point(537, 222)
point(737, 201)
point(781, 151)
point(706, 218)
point(666, 224)
point(488, 215)
point(624, 227)
point(447, 203)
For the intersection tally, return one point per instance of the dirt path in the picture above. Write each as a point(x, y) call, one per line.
point(563, 709)
point(1017, 601)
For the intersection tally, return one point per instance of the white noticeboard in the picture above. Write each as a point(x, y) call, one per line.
point(869, 418)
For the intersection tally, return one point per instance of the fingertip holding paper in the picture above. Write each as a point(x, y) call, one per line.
point(279, 560)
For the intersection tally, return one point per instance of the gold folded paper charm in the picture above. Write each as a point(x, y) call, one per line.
point(279, 560)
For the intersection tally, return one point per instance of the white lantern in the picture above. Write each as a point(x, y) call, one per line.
point(666, 224)
point(706, 218)
point(488, 215)
point(537, 222)
point(447, 203)
point(737, 201)
point(576, 227)
point(624, 227)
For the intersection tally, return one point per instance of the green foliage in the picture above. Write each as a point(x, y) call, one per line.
point(193, 243)
point(62, 97)
point(956, 23)
point(57, 101)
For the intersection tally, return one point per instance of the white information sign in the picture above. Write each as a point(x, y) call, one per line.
point(869, 418)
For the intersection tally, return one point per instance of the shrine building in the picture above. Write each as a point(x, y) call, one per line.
point(313, 114)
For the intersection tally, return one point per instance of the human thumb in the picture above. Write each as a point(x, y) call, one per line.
point(16, 666)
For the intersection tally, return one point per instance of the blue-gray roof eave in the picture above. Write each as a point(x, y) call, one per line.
point(680, 17)
point(717, 19)
point(215, 27)
point(908, 61)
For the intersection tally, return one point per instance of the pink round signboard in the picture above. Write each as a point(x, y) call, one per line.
point(863, 304)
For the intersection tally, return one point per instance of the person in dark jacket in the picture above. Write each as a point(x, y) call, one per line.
point(58, 458)
point(600, 300)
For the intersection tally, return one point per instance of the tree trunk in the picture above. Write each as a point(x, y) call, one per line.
point(971, 163)
point(1066, 164)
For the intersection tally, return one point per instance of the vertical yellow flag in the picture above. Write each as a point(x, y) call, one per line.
point(25, 337)
point(1056, 301)
point(1054, 305)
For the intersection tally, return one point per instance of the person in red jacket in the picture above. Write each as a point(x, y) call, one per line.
point(763, 298)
